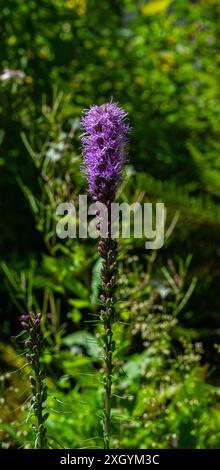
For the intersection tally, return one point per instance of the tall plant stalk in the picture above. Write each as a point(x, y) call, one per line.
point(105, 152)
point(108, 252)
point(34, 346)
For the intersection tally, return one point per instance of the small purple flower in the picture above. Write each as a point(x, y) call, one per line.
point(37, 319)
point(104, 149)
point(25, 318)
point(28, 320)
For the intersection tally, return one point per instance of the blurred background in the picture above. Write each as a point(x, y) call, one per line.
point(160, 61)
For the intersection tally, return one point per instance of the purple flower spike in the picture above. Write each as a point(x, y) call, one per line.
point(34, 344)
point(104, 149)
point(105, 153)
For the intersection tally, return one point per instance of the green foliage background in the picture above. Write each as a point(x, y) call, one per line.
point(160, 60)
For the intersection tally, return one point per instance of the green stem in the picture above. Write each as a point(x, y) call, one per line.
point(39, 412)
point(108, 382)
point(108, 251)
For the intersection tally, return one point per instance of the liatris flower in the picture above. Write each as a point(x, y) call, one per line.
point(104, 149)
point(34, 345)
point(105, 153)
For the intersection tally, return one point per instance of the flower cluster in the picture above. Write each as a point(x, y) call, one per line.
point(104, 149)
